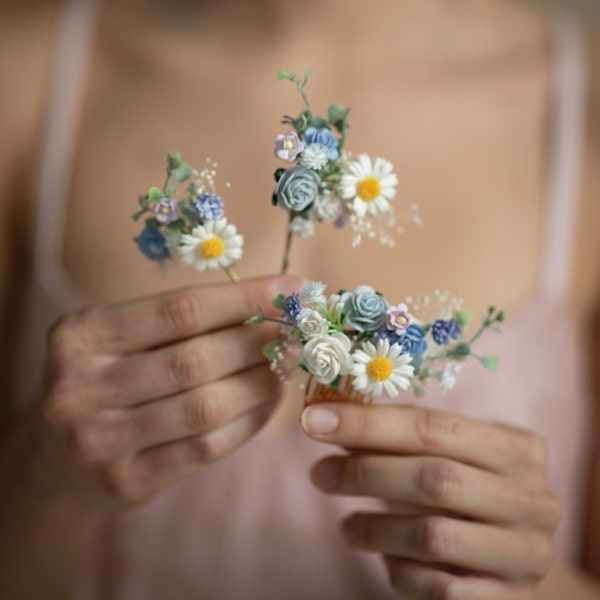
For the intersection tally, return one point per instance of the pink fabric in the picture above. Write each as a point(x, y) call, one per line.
point(252, 526)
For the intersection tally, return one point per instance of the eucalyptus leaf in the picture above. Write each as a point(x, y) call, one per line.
point(278, 302)
point(272, 350)
point(183, 173)
point(318, 122)
point(463, 317)
point(153, 223)
point(173, 160)
point(461, 350)
point(176, 226)
point(490, 363)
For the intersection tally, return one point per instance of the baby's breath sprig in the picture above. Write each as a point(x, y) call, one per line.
point(325, 185)
point(355, 346)
point(189, 222)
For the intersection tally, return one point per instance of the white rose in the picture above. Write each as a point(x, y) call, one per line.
point(327, 356)
point(328, 207)
point(311, 323)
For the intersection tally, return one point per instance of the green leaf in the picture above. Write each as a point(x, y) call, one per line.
point(283, 74)
point(490, 363)
point(272, 349)
point(278, 173)
point(154, 193)
point(173, 160)
point(274, 200)
point(461, 350)
point(336, 112)
point(501, 316)
point(183, 173)
point(153, 223)
point(176, 226)
point(463, 317)
point(254, 321)
point(307, 73)
point(419, 391)
point(318, 122)
point(335, 383)
point(278, 302)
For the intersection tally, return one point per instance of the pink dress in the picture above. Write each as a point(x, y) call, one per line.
point(252, 526)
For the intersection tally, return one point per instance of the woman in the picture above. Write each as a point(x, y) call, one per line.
point(124, 476)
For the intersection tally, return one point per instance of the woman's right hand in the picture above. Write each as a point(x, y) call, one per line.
point(139, 394)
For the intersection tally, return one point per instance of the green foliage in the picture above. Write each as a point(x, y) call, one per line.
point(490, 363)
point(183, 173)
point(154, 193)
point(278, 302)
point(153, 223)
point(173, 160)
point(463, 317)
point(272, 349)
point(461, 351)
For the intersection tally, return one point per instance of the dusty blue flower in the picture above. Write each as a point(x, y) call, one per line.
point(325, 137)
point(166, 210)
point(297, 188)
point(412, 341)
point(209, 207)
point(443, 331)
point(364, 309)
point(153, 245)
point(292, 307)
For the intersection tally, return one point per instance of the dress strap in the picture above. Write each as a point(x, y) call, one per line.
point(75, 35)
point(565, 154)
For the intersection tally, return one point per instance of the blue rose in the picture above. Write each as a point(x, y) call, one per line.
point(412, 341)
point(443, 331)
point(153, 245)
point(364, 309)
point(297, 188)
point(325, 137)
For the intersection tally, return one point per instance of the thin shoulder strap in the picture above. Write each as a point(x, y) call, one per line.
point(75, 37)
point(565, 154)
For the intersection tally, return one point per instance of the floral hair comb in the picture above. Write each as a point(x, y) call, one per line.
point(325, 185)
point(191, 223)
point(355, 346)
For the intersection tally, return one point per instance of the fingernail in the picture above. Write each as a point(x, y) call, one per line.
point(326, 475)
point(317, 420)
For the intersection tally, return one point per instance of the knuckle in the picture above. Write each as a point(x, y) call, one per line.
point(446, 588)
point(432, 427)
point(71, 335)
point(438, 480)
point(540, 551)
point(87, 442)
point(206, 449)
point(205, 411)
point(358, 470)
point(180, 311)
point(122, 485)
point(188, 368)
point(432, 538)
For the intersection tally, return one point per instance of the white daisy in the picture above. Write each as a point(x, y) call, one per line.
point(381, 369)
point(214, 245)
point(370, 185)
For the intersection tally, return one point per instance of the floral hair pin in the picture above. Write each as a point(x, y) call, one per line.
point(325, 185)
point(189, 223)
point(355, 346)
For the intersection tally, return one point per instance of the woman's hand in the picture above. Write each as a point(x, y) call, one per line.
point(470, 513)
point(140, 394)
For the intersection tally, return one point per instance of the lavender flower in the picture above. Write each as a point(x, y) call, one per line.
point(209, 207)
point(288, 146)
point(166, 210)
point(398, 318)
point(443, 331)
point(292, 307)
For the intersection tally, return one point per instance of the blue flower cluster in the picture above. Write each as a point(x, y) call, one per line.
point(209, 207)
point(443, 331)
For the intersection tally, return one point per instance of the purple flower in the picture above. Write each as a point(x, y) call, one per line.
point(288, 146)
point(153, 245)
point(412, 341)
point(297, 188)
point(398, 318)
point(166, 210)
point(292, 307)
point(443, 331)
point(209, 207)
point(325, 137)
point(364, 309)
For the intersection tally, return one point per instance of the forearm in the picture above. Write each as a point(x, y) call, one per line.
point(567, 581)
point(46, 537)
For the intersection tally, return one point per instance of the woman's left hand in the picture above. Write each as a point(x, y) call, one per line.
point(471, 515)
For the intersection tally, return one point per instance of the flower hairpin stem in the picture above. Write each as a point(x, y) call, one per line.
point(324, 185)
point(186, 218)
point(355, 346)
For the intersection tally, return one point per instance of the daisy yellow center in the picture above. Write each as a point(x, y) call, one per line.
point(380, 368)
point(368, 189)
point(212, 248)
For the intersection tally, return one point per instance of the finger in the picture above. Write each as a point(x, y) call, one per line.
point(151, 322)
point(191, 413)
point(170, 370)
point(437, 483)
point(420, 431)
point(420, 581)
point(133, 481)
point(476, 547)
